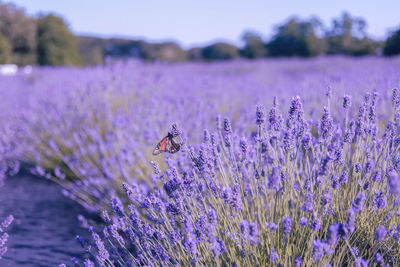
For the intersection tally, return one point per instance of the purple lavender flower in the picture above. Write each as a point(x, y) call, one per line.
point(114, 232)
point(105, 217)
point(346, 101)
point(260, 115)
point(306, 141)
point(318, 250)
point(343, 231)
point(288, 141)
point(227, 127)
point(368, 166)
point(274, 179)
point(358, 203)
point(380, 200)
point(332, 236)
point(273, 256)
point(359, 262)
point(351, 217)
point(396, 234)
point(243, 146)
point(175, 131)
point(397, 121)
point(3, 251)
point(103, 254)
point(218, 121)
point(275, 120)
point(58, 173)
point(396, 98)
point(172, 187)
point(316, 224)
point(273, 226)
point(190, 245)
point(243, 254)
point(303, 221)
point(380, 233)
point(244, 228)
point(117, 206)
point(295, 106)
point(324, 166)
point(88, 263)
point(154, 165)
point(344, 177)
point(377, 176)
point(378, 259)
point(40, 171)
point(328, 91)
point(308, 205)
point(253, 233)
point(358, 167)
point(326, 198)
point(219, 248)
point(206, 135)
point(3, 239)
point(394, 187)
point(326, 124)
point(7, 221)
point(236, 200)
point(287, 225)
point(212, 216)
point(227, 140)
point(297, 261)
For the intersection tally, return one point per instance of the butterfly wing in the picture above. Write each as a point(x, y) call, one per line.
point(167, 144)
point(172, 146)
point(161, 146)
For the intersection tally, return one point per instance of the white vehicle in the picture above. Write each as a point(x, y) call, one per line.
point(8, 69)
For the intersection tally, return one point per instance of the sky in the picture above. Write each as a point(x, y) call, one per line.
point(198, 22)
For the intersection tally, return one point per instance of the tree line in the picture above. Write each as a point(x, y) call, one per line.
point(43, 40)
point(47, 40)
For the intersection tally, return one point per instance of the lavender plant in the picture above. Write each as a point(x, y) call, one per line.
point(3, 235)
point(8, 166)
point(92, 129)
point(289, 192)
point(312, 185)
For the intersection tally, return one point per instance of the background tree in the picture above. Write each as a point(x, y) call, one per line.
point(392, 45)
point(254, 46)
point(56, 44)
point(348, 36)
point(5, 50)
point(91, 49)
point(195, 54)
point(20, 31)
point(166, 51)
point(220, 51)
point(297, 38)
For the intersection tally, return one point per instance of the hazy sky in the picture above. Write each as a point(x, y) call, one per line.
point(193, 22)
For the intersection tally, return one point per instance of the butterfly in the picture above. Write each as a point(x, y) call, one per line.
point(167, 144)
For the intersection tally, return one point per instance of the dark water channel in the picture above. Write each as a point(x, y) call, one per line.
point(43, 232)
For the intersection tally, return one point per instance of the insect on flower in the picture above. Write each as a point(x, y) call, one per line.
point(167, 144)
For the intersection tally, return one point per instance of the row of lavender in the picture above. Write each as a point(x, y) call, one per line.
point(296, 193)
point(317, 185)
point(98, 126)
point(9, 164)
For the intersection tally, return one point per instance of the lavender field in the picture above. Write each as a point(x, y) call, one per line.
point(285, 162)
